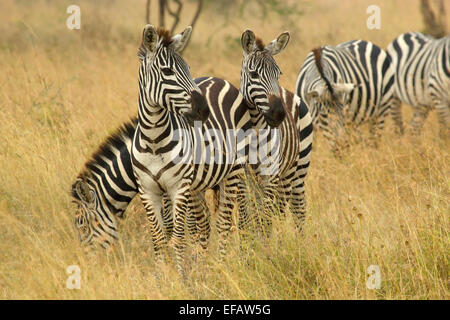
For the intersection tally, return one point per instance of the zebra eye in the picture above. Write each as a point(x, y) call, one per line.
point(167, 71)
point(253, 74)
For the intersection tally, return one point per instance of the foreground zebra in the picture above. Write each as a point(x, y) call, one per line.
point(422, 78)
point(169, 156)
point(273, 106)
point(351, 82)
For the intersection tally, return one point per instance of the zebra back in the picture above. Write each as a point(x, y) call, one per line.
point(422, 68)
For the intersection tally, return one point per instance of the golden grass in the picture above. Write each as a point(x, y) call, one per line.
point(62, 92)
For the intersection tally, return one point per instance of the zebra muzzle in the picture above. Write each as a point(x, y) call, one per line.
point(199, 108)
point(276, 114)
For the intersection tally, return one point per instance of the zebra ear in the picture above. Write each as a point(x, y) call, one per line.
point(248, 39)
point(180, 40)
point(344, 87)
point(149, 41)
point(314, 94)
point(82, 191)
point(278, 45)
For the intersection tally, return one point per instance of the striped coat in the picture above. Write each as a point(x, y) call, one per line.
point(422, 78)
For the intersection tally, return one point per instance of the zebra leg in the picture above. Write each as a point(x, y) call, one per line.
point(396, 114)
point(376, 125)
point(419, 117)
point(270, 200)
point(152, 205)
point(191, 221)
point(443, 114)
point(246, 221)
point(298, 202)
point(244, 216)
point(167, 215)
point(229, 188)
point(180, 207)
point(199, 222)
point(285, 190)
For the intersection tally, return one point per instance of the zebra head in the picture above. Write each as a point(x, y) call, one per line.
point(260, 74)
point(327, 107)
point(94, 222)
point(327, 99)
point(164, 77)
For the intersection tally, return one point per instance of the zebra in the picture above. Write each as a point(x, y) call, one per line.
point(105, 187)
point(174, 119)
point(272, 106)
point(422, 78)
point(348, 83)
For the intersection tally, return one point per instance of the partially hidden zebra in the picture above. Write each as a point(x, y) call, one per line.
point(173, 151)
point(348, 83)
point(422, 78)
point(106, 185)
point(271, 106)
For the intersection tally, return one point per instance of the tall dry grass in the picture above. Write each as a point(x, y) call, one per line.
point(62, 92)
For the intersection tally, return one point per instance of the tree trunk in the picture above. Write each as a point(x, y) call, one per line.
point(433, 26)
point(162, 8)
point(147, 12)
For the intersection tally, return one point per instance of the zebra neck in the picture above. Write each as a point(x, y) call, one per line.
point(158, 129)
point(110, 207)
point(152, 115)
point(258, 121)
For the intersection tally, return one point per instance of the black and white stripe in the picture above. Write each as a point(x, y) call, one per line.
point(170, 103)
point(422, 78)
point(351, 82)
point(106, 186)
point(283, 122)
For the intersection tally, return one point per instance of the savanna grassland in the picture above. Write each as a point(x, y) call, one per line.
point(63, 91)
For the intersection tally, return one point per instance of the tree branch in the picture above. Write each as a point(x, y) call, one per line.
point(175, 14)
point(197, 13)
point(162, 7)
point(147, 11)
point(432, 26)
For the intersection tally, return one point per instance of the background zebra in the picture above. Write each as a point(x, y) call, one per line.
point(351, 82)
point(422, 78)
point(169, 101)
point(273, 106)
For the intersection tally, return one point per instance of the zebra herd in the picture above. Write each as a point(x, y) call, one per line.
point(191, 135)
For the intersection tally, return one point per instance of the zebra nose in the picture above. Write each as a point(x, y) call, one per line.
point(276, 114)
point(199, 108)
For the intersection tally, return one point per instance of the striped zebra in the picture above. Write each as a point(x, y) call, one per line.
point(272, 106)
point(349, 83)
point(172, 154)
point(106, 185)
point(422, 78)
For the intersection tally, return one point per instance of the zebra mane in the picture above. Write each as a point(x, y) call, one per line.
point(259, 44)
point(164, 35)
point(116, 139)
point(318, 60)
